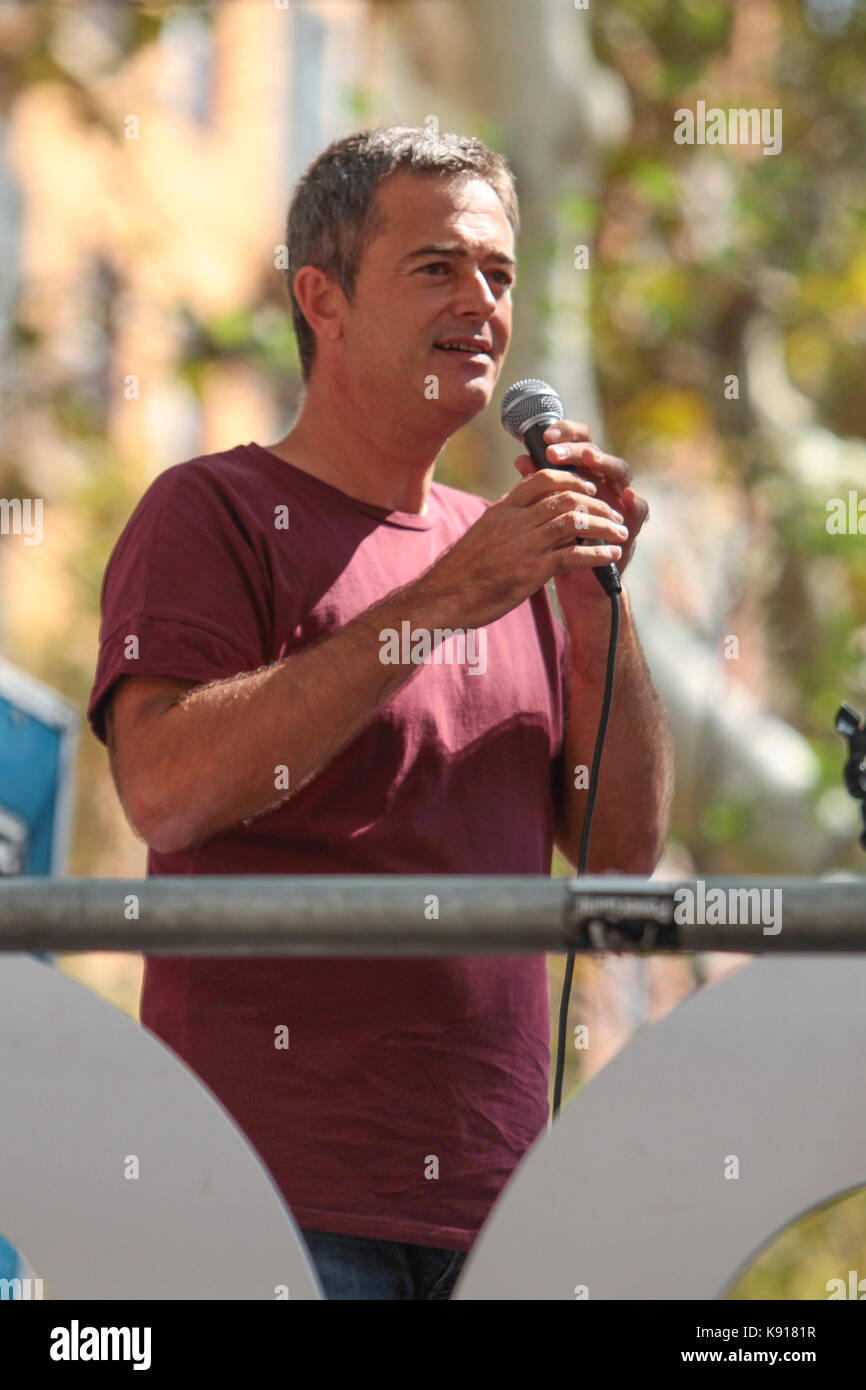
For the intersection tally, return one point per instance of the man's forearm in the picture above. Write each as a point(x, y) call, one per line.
point(635, 790)
point(216, 752)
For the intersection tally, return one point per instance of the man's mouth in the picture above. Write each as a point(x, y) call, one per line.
point(472, 346)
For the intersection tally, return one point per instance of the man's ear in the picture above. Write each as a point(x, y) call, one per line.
point(321, 302)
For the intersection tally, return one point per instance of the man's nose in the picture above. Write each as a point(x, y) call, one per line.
point(474, 296)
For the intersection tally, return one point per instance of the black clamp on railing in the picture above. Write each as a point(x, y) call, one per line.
point(848, 724)
point(620, 919)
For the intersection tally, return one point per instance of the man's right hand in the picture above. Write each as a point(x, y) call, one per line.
point(520, 542)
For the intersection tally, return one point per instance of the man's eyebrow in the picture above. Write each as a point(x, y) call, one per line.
point(454, 248)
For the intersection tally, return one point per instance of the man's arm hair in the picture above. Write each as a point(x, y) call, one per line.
point(191, 760)
point(133, 701)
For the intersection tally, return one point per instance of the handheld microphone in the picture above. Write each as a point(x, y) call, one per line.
point(528, 407)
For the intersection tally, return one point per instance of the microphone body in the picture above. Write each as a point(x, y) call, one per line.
point(528, 408)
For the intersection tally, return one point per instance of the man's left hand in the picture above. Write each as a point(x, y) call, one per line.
point(569, 445)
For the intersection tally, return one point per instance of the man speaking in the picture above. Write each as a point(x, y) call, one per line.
point(261, 717)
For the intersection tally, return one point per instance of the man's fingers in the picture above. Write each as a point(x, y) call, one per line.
point(587, 520)
point(578, 557)
point(566, 503)
point(590, 458)
point(565, 430)
point(543, 480)
point(639, 505)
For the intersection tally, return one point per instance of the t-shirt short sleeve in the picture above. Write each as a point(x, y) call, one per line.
point(184, 592)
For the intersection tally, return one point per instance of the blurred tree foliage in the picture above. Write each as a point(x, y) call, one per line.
point(696, 244)
point(801, 1260)
point(693, 246)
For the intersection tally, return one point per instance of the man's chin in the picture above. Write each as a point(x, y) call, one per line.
point(468, 397)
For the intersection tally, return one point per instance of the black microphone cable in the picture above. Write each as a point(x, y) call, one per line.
point(528, 408)
point(584, 843)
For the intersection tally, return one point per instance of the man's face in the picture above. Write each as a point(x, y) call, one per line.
point(432, 300)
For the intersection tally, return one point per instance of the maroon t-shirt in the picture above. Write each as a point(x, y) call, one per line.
point(410, 1088)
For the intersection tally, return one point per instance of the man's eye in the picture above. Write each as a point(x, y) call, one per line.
point(503, 276)
point(436, 265)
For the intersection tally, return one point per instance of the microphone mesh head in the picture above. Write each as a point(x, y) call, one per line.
point(525, 401)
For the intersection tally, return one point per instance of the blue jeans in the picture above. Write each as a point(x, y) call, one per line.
point(360, 1267)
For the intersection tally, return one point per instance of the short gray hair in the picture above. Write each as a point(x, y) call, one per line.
point(332, 214)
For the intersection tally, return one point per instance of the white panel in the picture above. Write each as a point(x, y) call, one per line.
point(627, 1193)
point(81, 1087)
